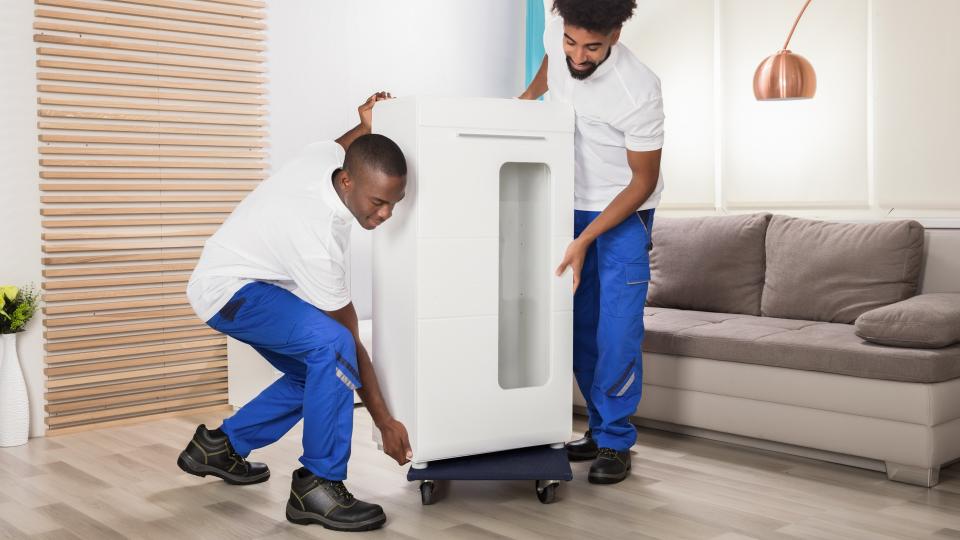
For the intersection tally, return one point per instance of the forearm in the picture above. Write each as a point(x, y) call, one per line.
point(370, 390)
point(347, 138)
point(624, 204)
point(538, 86)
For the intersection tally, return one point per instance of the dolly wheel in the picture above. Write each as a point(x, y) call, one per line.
point(547, 491)
point(428, 492)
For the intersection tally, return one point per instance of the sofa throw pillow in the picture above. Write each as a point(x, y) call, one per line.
point(711, 263)
point(926, 321)
point(834, 272)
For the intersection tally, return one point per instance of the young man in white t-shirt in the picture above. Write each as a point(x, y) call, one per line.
point(274, 276)
point(617, 145)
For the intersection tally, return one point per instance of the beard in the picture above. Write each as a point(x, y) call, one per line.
point(583, 74)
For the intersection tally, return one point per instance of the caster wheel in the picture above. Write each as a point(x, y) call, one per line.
point(547, 492)
point(428, 492)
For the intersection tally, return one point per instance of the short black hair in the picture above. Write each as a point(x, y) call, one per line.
point(602, 16)
point(377, 152)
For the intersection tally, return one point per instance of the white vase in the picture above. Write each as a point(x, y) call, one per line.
point(14, 408)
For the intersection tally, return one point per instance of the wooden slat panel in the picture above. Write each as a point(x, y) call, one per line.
point(82, 344)
point(122, 293)
point(201, 7)
point(120, 246)
point(116, 317)
point(148, 152)
point(135, 374)
point(123, 257)
point(152, 83)
point(158, 175)
point(144, 164)
point(146, 106)
point(94, 30)
point(207, 376)
point(205, 409)
point(157, 361)
point(60, 420)
point(139, 128)
point(220, 120)
point(121, 235)
point(143, 47)
point(155, 24)
point(155, 13)
point(125, 399)
point(168, 324)
point(139, 198)
point(157, 140)
point(132, 351)
point(220, 186)
point(152, 71)
point(152, 60)
point(114, 282)
point(107, 270)
point(247, 3)
point(152, 86)
point(52, 224)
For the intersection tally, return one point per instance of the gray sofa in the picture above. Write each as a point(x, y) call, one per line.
point(816, 338)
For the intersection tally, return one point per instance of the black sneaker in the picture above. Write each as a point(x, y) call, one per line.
point(610, 467)
point(214, 455)
point(328, 503)
point(582, 449)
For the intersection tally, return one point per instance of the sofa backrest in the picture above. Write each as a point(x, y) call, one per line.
point(834, 272)
point(796, 268)
point(941, 261)
point(713, 263)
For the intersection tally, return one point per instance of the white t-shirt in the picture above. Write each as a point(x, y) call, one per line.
point(293, 230)
point(619, 107)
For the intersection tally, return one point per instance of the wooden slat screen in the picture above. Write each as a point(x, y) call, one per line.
point(152, 128)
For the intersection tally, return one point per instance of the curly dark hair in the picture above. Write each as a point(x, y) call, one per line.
point(603, 16)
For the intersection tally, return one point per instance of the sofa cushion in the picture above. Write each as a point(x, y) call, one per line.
point(834, 272)
point(794, 344)
point(708, 263)
point(924, 321)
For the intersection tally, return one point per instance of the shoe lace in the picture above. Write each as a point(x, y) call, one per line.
point(608, 453)
point(240, 460)
point(342, 491)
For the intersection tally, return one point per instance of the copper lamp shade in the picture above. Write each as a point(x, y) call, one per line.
point(784, 75)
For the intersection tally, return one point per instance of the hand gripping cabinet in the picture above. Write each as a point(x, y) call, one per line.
point(472, 331)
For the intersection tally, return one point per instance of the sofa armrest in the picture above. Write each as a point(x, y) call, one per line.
point(925, 321)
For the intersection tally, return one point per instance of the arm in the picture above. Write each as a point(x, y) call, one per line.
point(366, 120)
point(396, 443)
point(538, 86)
point(645, 169)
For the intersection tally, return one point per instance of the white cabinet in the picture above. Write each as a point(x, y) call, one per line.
point(472, 330)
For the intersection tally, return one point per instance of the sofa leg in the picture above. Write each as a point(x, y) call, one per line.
point(917, 476)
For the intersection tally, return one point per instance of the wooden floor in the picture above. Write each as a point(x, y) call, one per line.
point(124, 483)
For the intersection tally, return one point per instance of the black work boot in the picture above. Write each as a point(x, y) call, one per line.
point(212, 454)
point(328, 503)
point(610, 467)
point(582, 449)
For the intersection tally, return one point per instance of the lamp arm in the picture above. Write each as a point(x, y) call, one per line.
point(787, 43)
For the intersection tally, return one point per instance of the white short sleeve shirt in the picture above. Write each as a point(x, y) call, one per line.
point(293, 230)
point(618, 108)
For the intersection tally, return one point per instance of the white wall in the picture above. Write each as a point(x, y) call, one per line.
point(876, 141)
point(19, 186)
point(326, 57)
